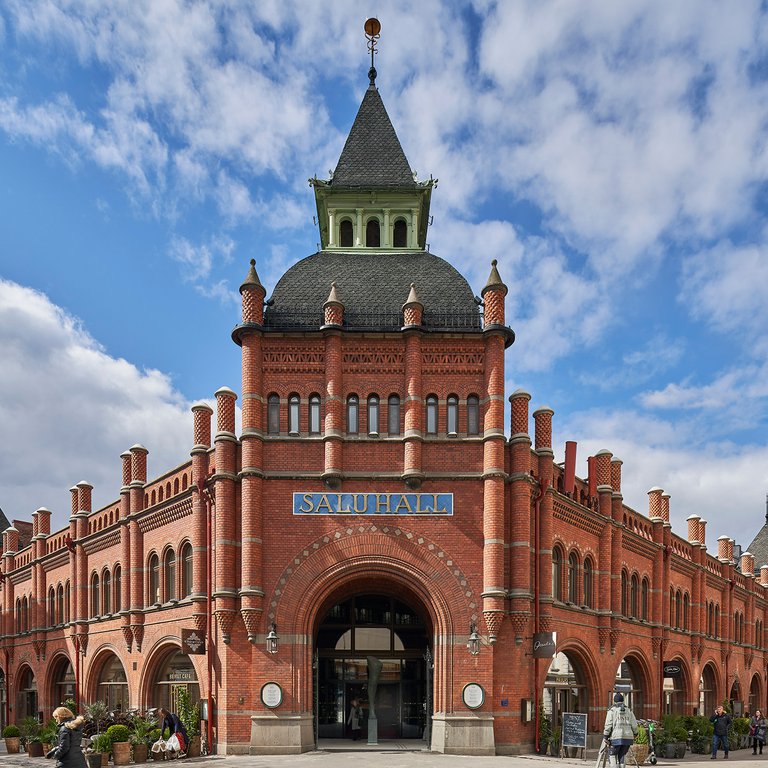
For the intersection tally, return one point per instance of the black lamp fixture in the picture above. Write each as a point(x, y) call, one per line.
point(473, 644)
point(272, 638)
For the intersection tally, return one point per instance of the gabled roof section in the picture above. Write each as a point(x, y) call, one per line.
point(373, 158)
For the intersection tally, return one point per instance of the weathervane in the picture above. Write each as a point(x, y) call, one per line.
point(372, 34)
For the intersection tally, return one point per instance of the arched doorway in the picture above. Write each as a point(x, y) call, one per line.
point(708, 691)
point(565, 688)
point(755, 696)
point(112, 684)
point(175, 672)
point(26, 700)
point(361, 634)
point(737, 705)
point(630, 681)
point(675, 690)
point(3, 695)
point(62, 682)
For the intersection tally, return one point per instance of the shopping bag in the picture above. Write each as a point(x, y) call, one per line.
point(158, 746)
point(172, 745)
point(182, 743)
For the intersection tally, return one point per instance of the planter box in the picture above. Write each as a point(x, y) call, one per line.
point(640, 752)
point(121, 752)
point(35, 749)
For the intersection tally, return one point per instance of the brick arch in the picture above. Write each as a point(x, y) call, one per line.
point(577, 651)
point(52, 669)
point(687, 681)
point(155, 658)
point(98, 659)
point(643, 666)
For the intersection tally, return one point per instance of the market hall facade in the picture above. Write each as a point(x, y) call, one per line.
point(389, 525)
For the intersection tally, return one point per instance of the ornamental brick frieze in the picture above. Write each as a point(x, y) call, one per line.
point(138, 635)
point(684, 567)
point(545, 623)
point(20, 576)
point(39, 646)
point(169, 514)
point(453, 361)
point(493, 621)
point(363, 360)
point(201, 622)
point(103, 541)
point(395, 533)
point(615, 634)
point(294, 357)
point(251, 618)
point(725, 654)
point(520, 624)
point(638, 545)
point(697, 648)
point(578, 518)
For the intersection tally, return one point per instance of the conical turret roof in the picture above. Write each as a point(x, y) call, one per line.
point(372, 156)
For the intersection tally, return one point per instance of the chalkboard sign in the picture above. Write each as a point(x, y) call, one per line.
point(574, 733)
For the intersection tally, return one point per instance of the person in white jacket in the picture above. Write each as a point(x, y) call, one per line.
point(620, 729)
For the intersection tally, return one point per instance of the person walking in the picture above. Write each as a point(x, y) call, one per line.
point(757, 726)
point(68, 751)
point(721, 721)
point(620, 729)
point(355, 719)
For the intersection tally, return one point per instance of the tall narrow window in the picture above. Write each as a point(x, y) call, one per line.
point(431, 415)
point(18, 616)
point(400, 234)
point(106, 584)
point(117, 586)
point(314, 414)
point(686, 605)
point(644, 600)
point(169, 571)
point(373, 415)
point(588, 578)
point(60, 605)
point(473, 415)
point(293, 415)
point(372, 233)
point(678, 610)
point(353, 415)
point(273, 414)
point(710, 619)
point(186, 570)
point(345, 234)
point(393, 415)
point(623, 593)
point(452, 414)
point(95, 595)
point(67, 602)
point(557, 574)
point(51, 607)
point(717, 621)
point(573, 575)
point(633, 596)
point(154, 580)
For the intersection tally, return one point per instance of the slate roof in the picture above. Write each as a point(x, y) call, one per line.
point(759, 546)
point(373, 287)
point(4, 523)
point(372, 156)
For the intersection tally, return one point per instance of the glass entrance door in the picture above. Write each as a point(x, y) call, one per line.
point(372, 646)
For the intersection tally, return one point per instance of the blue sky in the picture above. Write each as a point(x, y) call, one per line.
point(611, 156)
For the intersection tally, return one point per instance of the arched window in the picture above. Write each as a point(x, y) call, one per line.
point(644, 600)
point(452, 414)
point(686, 605)
point(557, 574)
point(432, 415)
point(393, 415)
point(353, 414)
point(710, 619)
point(60, 604)
point(169, 575)
point(314, 414)
point(106, 584)
point(373, 414)
point(346, 238)
point(51, 607)
point(588, 579)
point(400, 234)
point(186, 569)
point(623, 593)
point(67, 602)
point(372, 233)
point(153, 592)
point(117, 585)
point(293, 415)
point(573, 576)
point(18, 615)
point(678, 609)
point(717, 621)
point(473, 415)
point(95, 601)
point(634, 588)
point(273, 414)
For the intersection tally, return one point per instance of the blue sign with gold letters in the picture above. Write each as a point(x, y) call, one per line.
point(373, 504)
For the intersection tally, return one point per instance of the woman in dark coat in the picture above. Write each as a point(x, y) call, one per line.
point(171, 721)
point(68, 752)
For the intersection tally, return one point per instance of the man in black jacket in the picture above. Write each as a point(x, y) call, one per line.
point(721, 720)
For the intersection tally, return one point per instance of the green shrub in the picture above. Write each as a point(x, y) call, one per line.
point(118, 733)
point(11, 732)
point(143, 728)
point(189, 713)
point(30, 729)
point(102, 743)
point(50, 733)
point(642, 735)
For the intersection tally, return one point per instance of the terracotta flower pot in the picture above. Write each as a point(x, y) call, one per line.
point(13, 745)
point(140, 752)
point(35, 749)
point(121, 752)
point(94, 760)
point(193, 750)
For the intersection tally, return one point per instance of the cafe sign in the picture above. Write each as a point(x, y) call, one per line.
point(419, 504)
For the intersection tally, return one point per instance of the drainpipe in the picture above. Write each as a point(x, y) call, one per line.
point(536, 546)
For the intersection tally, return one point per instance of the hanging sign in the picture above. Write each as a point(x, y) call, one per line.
point(373, 504)
point(673, 669)
point(544, 645)
point(192, 641)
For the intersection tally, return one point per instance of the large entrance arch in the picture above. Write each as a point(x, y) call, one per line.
point(372, 647)
point(61, 681)
point(708, 698)
point(755, 694)
point(26, 697)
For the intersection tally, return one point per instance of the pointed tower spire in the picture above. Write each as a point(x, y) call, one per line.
point(333, 309)
point(253, 294)
point(493, 295)
point(413, 309)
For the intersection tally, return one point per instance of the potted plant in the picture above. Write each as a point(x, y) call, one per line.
point(189, 714)
point(154, 735)
point(49, 735)
point(121, 747)
point(30, 735)
point(640, 747)
point(141, 736)
point(554, 742)
point(101, 745)
point(12, 736)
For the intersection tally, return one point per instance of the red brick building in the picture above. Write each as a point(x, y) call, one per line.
point(373, 532)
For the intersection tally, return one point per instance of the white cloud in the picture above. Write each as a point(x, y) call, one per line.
point(69, 409)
